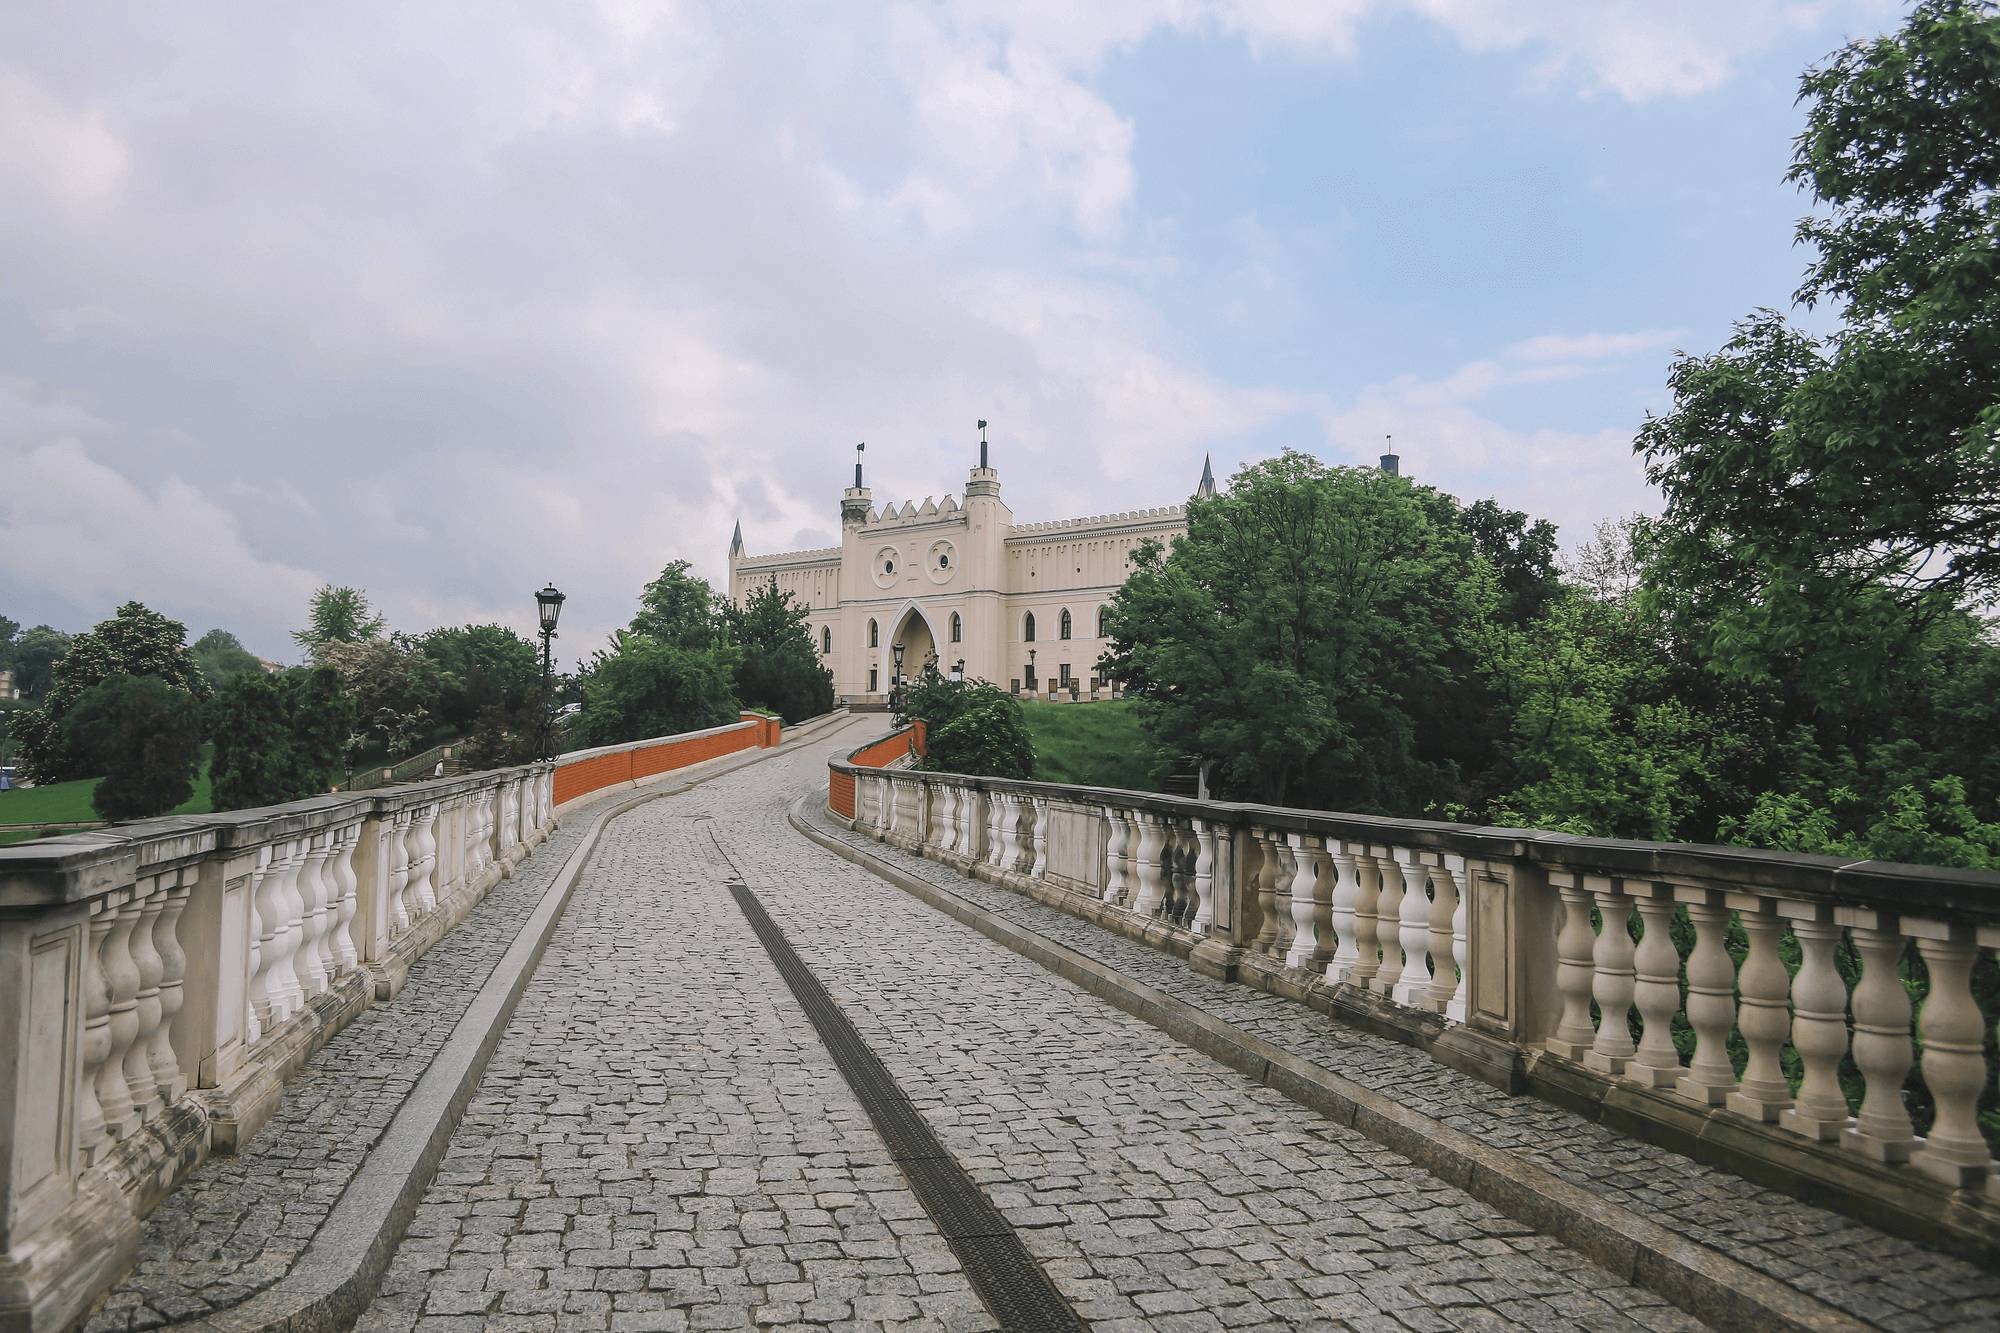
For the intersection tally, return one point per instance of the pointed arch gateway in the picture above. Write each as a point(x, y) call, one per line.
point(913, 629)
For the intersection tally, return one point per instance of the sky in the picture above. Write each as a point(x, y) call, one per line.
point(449, 300)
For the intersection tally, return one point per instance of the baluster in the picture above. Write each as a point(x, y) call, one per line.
point(1711, 1000)
point(995, 817)
point(1576, 943)
point(1413, 986)
point(122, 1113)
point(1388, 918)
point(138, 916)
point(1819, 1027)
point(1954, 1056)
point(1613, 978)
point(1264, 889)
point(307, 965)
point(423, 858)
point(173, 986)
point(1286, 870)
point(948, 826)
point(1367, 923)
point(1310, 926)
point(346, 957)
point(1764, 1013)
point(1146, 864)
point(256, 1002)
point(1881, 1039)
point(94, 1124)
point(1449, 939)
point(1340, 916)
point(1040, 835)
point(1656, 989)
point(399, 872)
point(1204, 877)
point(1187, 850)
point(287, 930)
point(265, 1004)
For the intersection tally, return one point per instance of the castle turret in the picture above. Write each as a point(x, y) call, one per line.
point(854, 500)
point(1205, 489)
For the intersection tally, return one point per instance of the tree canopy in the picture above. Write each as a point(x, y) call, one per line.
point(338, 615)
point(1839, 491)
point(142, 734)
point(133, 642)
point(778, 665)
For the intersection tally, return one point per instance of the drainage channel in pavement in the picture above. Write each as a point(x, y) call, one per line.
point(1016, 1290)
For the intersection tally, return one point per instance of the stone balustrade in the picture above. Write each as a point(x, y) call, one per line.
point(1811, 1023)
point(159, 980)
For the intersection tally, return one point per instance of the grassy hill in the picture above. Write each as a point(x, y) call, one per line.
point(69, 802)
point(1095, 744)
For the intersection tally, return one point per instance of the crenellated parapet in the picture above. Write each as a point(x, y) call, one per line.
point(1076, 527)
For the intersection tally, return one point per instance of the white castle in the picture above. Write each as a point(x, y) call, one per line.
point(962, 586)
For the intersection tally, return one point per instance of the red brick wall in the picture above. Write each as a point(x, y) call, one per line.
point(878, 754)
point(583, 776)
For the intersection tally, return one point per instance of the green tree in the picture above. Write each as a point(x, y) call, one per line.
point(1313, 635)
point(1829, 495)
point(278, 738)
point(1522, 552)
point(483, 670)
point(134, 642)
point(680, 609)
point(641, 687)
point(971, 727)
point(395, 689)
point(36, 652)
point(779, 667)
point(338, 615)
point(144, 735)
point(222, 657)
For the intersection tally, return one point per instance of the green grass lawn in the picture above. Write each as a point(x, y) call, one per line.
point(1095, 745)
point(69, 802)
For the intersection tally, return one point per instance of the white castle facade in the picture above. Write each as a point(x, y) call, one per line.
point(961, 585)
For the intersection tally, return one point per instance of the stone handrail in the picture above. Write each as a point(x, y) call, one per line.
point(1546, 962)
point(158, 981)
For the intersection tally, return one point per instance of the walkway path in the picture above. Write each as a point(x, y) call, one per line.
point(663, 1142)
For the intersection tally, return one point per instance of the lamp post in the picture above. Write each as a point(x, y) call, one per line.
point(896, 681)
point(1032, 687)
point(548, 605)
point(958, 670)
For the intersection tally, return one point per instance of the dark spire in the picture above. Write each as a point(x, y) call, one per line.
point(1206, 490)
point(736, 542)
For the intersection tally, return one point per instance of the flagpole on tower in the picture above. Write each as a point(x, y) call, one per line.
point(857, 463)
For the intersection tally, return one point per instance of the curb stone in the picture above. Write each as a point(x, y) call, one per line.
point(335, 1277)
point(1707, 1284)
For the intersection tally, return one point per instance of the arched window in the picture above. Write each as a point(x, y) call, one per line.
point(826, 639)
point(1028, 628)
point(957, 628)
point(1101, 613)
point(874, 636)
point(1063, 625)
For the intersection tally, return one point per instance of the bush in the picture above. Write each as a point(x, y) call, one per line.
point(144, 736)
point(970, 727)
point(641, 687)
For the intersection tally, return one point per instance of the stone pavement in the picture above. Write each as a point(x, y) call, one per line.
point(240, 1222)
point(662, 1142)
point(1880, 1279)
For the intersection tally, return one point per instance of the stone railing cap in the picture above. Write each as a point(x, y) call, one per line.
point(1906, 887)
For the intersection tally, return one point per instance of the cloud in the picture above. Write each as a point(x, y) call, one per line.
point(449, 300)
point(1593, 346)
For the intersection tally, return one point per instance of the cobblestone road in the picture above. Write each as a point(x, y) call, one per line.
point(662, 1142)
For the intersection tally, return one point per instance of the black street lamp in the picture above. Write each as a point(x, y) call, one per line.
point(896, 682)
point(1031, 671)
point(548, 605)
point(958, 670)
